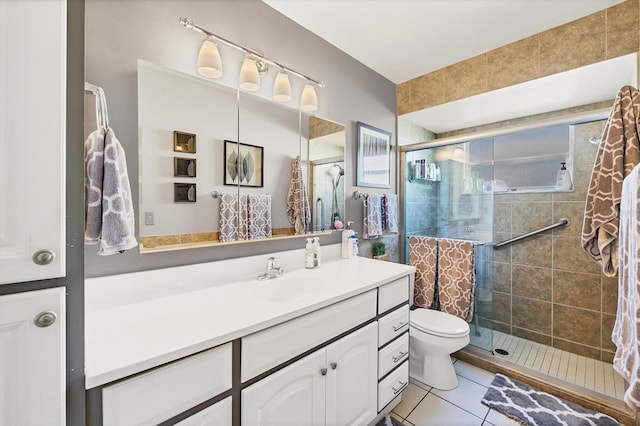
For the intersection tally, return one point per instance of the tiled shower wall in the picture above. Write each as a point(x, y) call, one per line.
point(546, 289)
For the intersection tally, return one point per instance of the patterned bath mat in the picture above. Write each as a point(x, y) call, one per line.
point(530, 406)
point(389, 421)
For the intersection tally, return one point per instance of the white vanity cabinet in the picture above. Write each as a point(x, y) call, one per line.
point(335, 385)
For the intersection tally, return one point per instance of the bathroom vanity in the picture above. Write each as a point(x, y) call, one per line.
point(197, 345)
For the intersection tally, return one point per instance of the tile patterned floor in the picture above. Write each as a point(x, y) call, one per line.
point(423, 405)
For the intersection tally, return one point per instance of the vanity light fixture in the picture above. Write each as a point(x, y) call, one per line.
point(309, 99)
point(254, 65)
point(209, 63)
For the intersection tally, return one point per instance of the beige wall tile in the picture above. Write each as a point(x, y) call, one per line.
point(530, 198)
point(576, 348)
point(501, 326)
point(607, 356)
point(198, 237)
point(532, 314)
point(403, 98)
point(575, 44)
point(572, 210)
point(609, 294)
point(502, 217)
point(503, 254)
point(427, 90)
point(545, 339)
point(501, 277)
point(576, 325)
point(159, 240)
point(623, 29)
point(584, 152)
point(608, 322)
point(466, 78)
point(502, 307)
point(534, 283)
point(576, 289)
point(527, 217)
point(533, 251)
point(568, 255)
point(514, 63)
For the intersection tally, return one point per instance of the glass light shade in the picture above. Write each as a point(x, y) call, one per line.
point(309, 100)
point(249, 76)
point(209, 63)
point(282, 88)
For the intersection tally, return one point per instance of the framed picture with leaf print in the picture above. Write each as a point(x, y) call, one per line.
point(243, 164)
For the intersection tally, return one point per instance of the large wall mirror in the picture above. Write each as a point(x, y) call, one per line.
point(231, 165)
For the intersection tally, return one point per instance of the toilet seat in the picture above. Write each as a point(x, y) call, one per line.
point(438, 323)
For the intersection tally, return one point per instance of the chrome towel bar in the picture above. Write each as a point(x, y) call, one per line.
point(562, 222)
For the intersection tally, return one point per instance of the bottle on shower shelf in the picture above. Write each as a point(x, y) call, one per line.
point(563, 181)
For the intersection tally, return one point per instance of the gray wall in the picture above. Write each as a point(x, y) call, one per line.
point(118, 32)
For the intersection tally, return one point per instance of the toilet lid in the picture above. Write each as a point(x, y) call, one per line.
point(438, 323)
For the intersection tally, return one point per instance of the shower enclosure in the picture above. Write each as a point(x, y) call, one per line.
point(541, 291)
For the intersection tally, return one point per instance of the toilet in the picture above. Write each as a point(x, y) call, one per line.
point(433, 337)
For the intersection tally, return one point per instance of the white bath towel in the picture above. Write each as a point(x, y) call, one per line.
point(626, 331)
point(112, 220)
point(259, 211)
point(372, 216)
point(390, 213)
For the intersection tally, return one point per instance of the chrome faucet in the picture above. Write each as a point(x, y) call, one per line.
point(272, 271)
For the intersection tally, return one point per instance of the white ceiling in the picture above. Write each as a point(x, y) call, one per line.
point(403, 39)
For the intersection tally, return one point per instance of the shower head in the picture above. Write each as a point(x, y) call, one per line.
point(340, 169)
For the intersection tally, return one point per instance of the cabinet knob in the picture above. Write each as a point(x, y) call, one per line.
point(43, 257)
point(333, 365)
point(45, 319)
point(323, 371)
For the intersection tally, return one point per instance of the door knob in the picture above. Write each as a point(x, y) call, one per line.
point(43, 257)
point(45, 319)
point(333, 365)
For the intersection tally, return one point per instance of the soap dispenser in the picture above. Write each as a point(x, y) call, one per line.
point(316, 252)
point(308, 255)
point(563, 181)
point(346, 235)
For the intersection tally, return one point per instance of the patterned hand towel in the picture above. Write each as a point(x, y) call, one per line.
point(456, 277)
point(94, 174)
point(390, 213)
point(372, 216)
point(618, 154)
point(626, 331)
point(233, 217)
point(423, 255)
point(259, 211)
point(298, 210)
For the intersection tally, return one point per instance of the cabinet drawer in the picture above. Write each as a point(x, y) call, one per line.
point(392, 385)
point(219, 414)
point(266, 349)
point(393, 294)
point(393, 355)
point(393, 324)
point(166, 391)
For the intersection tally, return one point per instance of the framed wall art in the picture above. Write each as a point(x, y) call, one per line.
point(243, 164)
point(373, 157)
point(184, 142)
point(184, 167)
point(184, 192)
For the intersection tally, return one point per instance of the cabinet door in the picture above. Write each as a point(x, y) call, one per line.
point(219, 414)
point(352, 378)
point(32, 361)
point(32, 138)
point(294, 395)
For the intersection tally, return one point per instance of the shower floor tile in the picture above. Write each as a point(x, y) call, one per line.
point(589, 373)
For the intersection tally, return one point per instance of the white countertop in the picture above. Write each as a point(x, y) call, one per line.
point(125, 339)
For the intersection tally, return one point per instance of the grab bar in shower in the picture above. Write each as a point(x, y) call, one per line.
point(562, 222)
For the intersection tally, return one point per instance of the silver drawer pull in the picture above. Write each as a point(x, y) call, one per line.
point(400, 326)
point(323, 371)
point(402, 386)
point(400, 356)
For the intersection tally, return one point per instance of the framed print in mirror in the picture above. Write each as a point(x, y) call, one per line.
point(243, 164)
point(374, 157)
point(184, 192)
point(184, 142)
point(184, 167)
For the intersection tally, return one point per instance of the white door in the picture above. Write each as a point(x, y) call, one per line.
point(352, 380)
point(32, 358)
point(32, 139)
point(293, 396)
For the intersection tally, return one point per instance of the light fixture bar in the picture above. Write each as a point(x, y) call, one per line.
point(191, 25)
